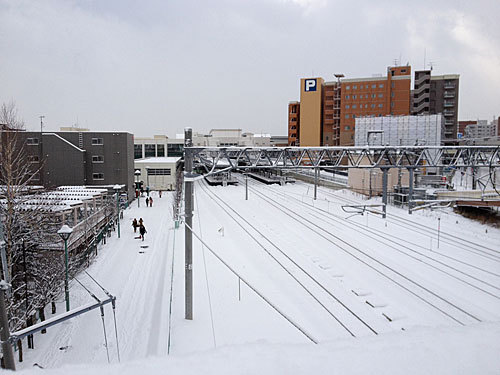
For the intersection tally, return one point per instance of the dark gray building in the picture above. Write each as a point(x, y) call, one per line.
point(81, 158)
point(437, 94)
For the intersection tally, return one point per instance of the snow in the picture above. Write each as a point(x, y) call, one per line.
point(435, 309)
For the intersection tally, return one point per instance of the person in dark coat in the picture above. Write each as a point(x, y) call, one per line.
point(147, 202)
point(150, 201)
point(135, 225)
point(142, 231)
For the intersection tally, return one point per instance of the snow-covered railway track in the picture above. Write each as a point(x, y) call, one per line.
point(441, 304)
point(355, 325)
point(454, 239)
point(399, 245)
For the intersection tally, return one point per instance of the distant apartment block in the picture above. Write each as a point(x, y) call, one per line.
point(475, 129)
point(437, 94)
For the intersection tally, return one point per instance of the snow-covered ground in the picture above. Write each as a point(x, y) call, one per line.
point(378, 296)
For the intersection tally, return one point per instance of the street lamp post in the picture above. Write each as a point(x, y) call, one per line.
point(65, 232)
point(137, 174)
point(117, 188)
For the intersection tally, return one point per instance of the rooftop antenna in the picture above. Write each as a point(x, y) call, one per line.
point(431, 64)
point(41, 123)
point(425, 56)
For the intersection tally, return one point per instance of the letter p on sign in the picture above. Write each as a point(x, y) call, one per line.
point(310, 85)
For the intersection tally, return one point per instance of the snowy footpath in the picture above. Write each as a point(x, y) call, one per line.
point(336, 292)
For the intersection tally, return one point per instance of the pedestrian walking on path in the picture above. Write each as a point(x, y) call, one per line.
point(150, 201)
point(147, 201)
point(135, 225)
point(141, 222)
point(159, 193)
point(142, 231)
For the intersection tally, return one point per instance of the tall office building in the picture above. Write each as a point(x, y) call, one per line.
point(328, 110)
point(437, 94)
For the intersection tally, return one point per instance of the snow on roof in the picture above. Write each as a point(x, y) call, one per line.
point(158, 160)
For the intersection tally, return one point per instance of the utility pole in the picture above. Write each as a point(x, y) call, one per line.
point(8, 356)
point(188, 235)
point(42, 177)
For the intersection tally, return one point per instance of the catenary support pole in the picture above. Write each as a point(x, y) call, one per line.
point(384, 191)
point(315, 183)
point(8, 356)
point(246, 186)
point(188, 235)
point(410, 190)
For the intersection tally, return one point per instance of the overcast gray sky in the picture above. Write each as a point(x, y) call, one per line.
point(155, 67)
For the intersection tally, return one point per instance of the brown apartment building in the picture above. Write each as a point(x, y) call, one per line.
point(327, 111)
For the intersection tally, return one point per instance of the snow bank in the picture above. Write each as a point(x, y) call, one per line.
point(463, 350)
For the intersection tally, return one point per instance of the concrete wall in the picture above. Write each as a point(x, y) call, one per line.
point(360, 180)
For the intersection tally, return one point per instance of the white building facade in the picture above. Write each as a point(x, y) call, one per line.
point(422, 130)
point(157, 173)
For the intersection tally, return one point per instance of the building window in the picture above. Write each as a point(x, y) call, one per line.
point(354, 87)
point(381, 86)
point(353, 116)
point(33, 159)
point(294, 109)
point(32, 141)
point(160, 149)
point(374, 95)
point(98, 176)
point(149, 150)
point(392, 104)
point(354, 96)
point(347, 96)
point(393, 84)
point(354, 106)
point(380, 105)
point(97, 159)
point(374, 86)
point(403, 70)
point(175, 149)
point(366, 105)
point(373, 105)
point(366, 86)
point(348, 87)
point(380, 95)
point(347, 106)
point(137, 151)
point(347, 128)
point(346, 116)
point(159, 171)
point(97, 141)
point(392, 94)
